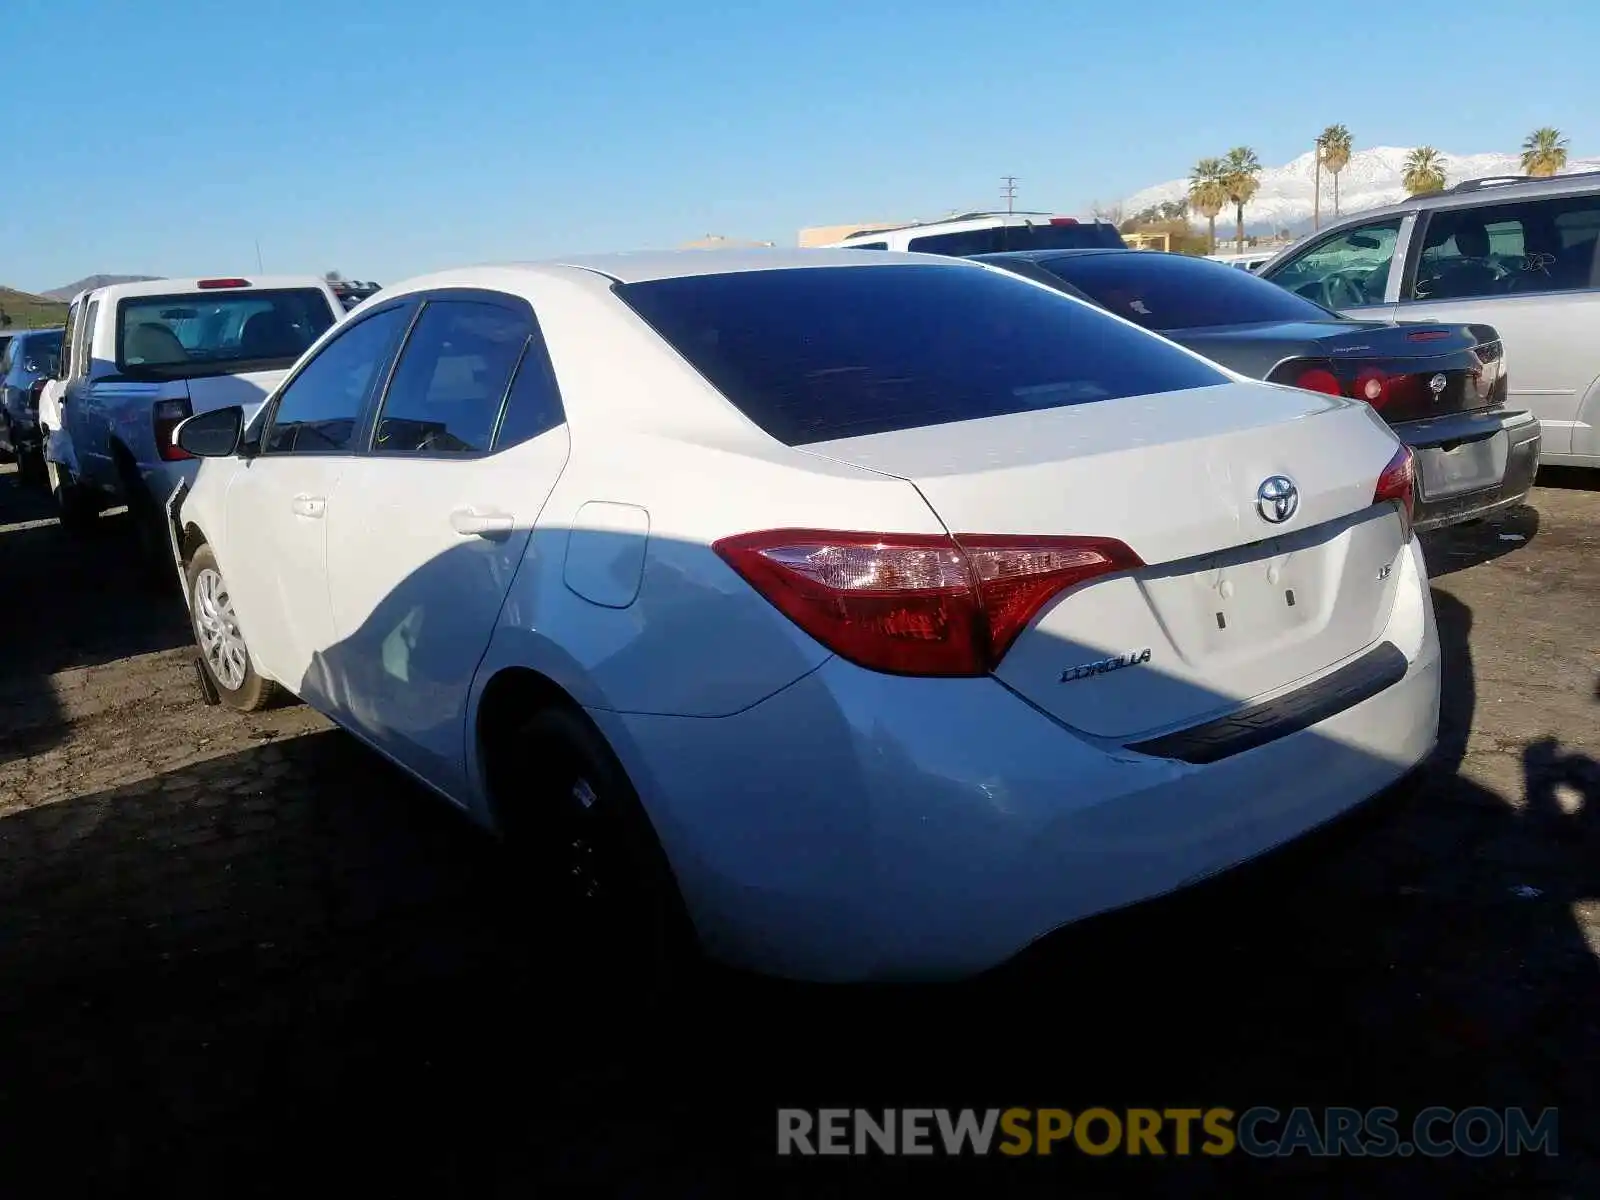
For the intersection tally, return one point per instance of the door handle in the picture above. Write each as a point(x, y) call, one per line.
point(310, 506)
point(484, 524)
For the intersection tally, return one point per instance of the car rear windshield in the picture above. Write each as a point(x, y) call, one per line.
point(814, 354)
point(1093, 236)
point(218, 333)
point(1173, 291)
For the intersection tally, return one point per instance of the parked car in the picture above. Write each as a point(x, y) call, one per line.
point(979, 233)
point(1441, 387)
point(1242, 262)
point(1516, 253)
point(29, 356)
point(645, 561)
point(137, 358)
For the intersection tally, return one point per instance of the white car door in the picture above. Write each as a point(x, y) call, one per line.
point(274, 552)
point(431, 525)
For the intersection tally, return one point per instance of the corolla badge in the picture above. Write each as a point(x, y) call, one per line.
point(1277, 499)
point(1132, 658)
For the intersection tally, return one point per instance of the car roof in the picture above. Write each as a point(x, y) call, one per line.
point(649, 265)
point(1041, 256)
point(183, 285)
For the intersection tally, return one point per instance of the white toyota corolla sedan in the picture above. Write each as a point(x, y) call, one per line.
point(868, 616)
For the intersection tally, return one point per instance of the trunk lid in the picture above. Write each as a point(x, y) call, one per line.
point(1229, 606)
point(1407, 372)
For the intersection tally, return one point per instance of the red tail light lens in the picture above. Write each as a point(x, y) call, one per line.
point(1398, 484)
point(1063, 220)
point(915, 604)
point(165, 417)
point(1318, 380)
point(209, 284)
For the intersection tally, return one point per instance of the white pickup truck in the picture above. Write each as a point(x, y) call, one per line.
point(137, 358)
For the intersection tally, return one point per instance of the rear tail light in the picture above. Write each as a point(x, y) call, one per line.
point(209, 284)
point(1318, 380)
point(1398, 485)
point(1063, 220)
point(166, 416)
point(916, 604)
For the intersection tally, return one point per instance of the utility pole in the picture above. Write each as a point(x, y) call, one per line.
point(1008, 192)
point(1316, 195)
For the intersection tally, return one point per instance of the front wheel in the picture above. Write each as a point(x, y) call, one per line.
point(223, 653)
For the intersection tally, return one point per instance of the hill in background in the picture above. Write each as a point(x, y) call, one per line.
point(93, 281)
point(27, 311)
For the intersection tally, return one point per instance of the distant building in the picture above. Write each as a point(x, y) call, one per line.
point(821, 235)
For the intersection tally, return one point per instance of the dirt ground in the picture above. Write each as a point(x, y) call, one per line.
point(240, 954)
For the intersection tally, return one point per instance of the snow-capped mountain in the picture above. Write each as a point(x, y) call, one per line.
point(1371, 178)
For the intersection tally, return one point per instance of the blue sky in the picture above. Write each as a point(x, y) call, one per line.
point(384, 138)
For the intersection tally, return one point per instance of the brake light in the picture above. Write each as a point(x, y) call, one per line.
point(1427, 335)
point(209, 284)
point(1398, 485)
point(917, 604)
point(1318, 380)
point(165, 418)
point(1063, 220)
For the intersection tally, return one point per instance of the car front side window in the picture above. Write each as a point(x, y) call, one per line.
point(319, 410)
point(1348, 269)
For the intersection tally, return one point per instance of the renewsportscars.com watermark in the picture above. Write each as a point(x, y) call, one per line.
point(1155, 1132)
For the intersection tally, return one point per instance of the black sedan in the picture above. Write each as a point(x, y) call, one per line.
point(1441, 387)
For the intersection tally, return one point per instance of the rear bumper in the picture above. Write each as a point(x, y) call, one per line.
point(859, 826)
point(1523, 445)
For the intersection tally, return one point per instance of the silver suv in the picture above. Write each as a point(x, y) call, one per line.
point(1514, 252)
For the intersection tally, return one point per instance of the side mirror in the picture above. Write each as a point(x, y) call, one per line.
point(213, 434)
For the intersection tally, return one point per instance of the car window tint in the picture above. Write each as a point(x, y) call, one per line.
point(534, 405)
point(447, 390)
point(866, 246)
point(831, 352)
point(1172, 291)
point(1345, 270)
point(1531, 246)
point(318, 411)
point(204, 333)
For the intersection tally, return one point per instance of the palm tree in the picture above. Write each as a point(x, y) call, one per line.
point(1240, 169)
point(1208, 193)
point(1335, 143)
point(1544, 152)
point(1424, 171)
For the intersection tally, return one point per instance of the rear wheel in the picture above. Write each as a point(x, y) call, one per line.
point(224, 656)
point(74, 507)
point(149, 526)
point(571, 815)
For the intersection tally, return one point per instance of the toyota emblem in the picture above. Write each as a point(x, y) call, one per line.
point(1277, 499)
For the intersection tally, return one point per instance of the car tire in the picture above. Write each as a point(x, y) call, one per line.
point(74, 508)
point(224, 655)
point(573, 820)
point(151, 542)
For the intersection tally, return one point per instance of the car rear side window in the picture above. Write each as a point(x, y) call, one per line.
point(814, 354)
point(221, 332)
point(1171, 291)
point(448, 388)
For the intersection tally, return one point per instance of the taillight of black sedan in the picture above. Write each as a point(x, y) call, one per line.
point(1441, 387)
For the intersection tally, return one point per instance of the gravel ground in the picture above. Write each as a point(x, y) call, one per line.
point(240, 954)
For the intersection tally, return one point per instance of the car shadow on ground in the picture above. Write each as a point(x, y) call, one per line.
point(67, 602)
point(1577, 479)
point(1457, 547)
point(291, 964)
